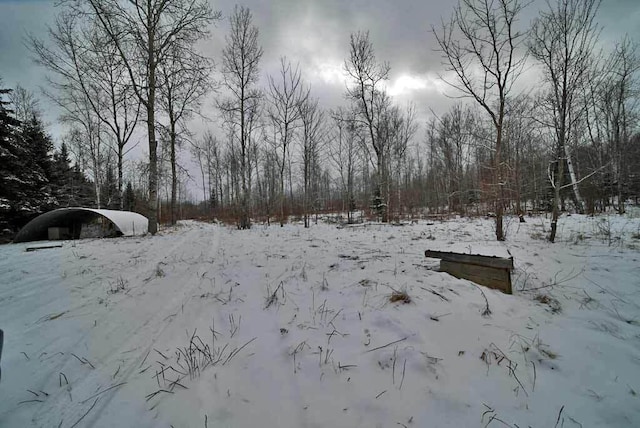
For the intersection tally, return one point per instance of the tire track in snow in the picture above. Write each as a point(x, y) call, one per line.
point(149, 328)
point(243, 266)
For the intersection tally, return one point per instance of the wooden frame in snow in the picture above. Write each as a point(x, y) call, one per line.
point(491, 271)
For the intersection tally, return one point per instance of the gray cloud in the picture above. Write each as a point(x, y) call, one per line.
point(315, 34)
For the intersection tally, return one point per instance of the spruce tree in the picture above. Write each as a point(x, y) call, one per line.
point(12, 165)
point(38, 168)
point(129, 198)
point(62, 179)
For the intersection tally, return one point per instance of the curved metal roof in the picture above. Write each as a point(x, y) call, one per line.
point(126, 222)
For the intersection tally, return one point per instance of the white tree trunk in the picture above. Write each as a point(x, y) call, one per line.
point(574, 181)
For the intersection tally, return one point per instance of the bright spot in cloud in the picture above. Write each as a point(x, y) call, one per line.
point(333, 73)
point(330, 72)
point(405, 84)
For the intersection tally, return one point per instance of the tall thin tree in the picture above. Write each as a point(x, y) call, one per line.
point(312, 142)
point(368, 95)
point(286, 95)
point(240, 68)
point(185, 77)
point(480, 46)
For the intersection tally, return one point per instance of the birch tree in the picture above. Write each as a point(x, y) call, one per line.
point(562, 41)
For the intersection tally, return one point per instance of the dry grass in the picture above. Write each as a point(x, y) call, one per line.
point(553, 303)
point(399, 296)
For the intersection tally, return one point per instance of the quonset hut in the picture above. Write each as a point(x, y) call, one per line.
point(78, 223)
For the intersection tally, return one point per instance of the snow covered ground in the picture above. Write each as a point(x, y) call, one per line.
point(208, 326)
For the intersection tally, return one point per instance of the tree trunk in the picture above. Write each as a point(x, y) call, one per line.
point(174, 176)
point(242, 220)
point(151, 126)
point(621, 209)
point(617, 172)
point(557, 184)
point(382, 189)
point(305, 201)
point(120, 157)
point(204, 185)
point(282, 190)
point(519, 210)
point(153, 173)
point(498, 192)
point(574, 182)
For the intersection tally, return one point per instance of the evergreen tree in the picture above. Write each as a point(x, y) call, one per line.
point(83, 190)
point(63, 179)
point(38, 167)
point(129, 202)
point(7, 121)
point(10, 155)
point(70, 186)
point(33, 178)
point(19, 178)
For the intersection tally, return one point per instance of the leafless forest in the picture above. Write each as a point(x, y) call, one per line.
point(566, 139)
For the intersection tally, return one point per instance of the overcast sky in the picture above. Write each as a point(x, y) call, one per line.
point(314, 33)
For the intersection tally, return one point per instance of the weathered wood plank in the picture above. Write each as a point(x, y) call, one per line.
point(473, 259)
point(46, 247)
point(497, 278)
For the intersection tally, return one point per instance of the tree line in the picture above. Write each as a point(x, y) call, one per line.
point(570, 142)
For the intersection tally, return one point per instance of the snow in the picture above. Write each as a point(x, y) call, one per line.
point(129, 223)
point(302, 317)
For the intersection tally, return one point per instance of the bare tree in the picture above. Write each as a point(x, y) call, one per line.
point(144, 34)
point(402, 127)
point(87, 70)
point(480, 47)
point(619, 104)
point(209, 155)
point(345, 154)
point(367, 93)
point(519, 136)
point(313, 134)
point(450, 137)
point(88, 141)
point(286, 95)
point(562, 40)
point(185, 81)
point(205, 150)
point(240, 67)
point(25, 104)
point(270, 182)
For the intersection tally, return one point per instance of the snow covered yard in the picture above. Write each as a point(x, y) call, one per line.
point(208, 326)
